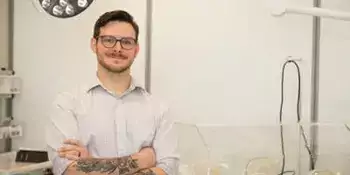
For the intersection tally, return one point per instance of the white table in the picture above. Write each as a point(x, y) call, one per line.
point(8, 166)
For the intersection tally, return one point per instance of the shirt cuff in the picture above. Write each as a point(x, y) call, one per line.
point(60, 165)
point(169, 166)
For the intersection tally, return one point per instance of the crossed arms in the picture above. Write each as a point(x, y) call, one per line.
point(127, 165)
point(74, 159)
point(117, 166)
point(142, 163)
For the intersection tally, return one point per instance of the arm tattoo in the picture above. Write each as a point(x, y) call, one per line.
point(145, 172)
point(118, 166)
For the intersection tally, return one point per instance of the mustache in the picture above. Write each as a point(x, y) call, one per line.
point(116, 54)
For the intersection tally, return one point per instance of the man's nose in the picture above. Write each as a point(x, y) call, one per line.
point(118, 46)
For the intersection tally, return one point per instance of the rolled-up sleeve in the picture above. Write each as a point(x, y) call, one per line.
point(62, 124)
point(165, 144)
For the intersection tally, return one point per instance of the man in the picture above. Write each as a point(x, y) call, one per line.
point(112, 126)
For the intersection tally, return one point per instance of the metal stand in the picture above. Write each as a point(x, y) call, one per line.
point(6, 100)
point(316, 27)
point(149, 23)
point(5, 116)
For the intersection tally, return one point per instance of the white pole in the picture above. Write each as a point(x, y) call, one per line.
point(313, 11)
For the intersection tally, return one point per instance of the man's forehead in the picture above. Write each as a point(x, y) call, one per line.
point(118, 28)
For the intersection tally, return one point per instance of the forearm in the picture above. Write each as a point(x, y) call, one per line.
point(127, 165)
point(72, 170)
point(151, 171)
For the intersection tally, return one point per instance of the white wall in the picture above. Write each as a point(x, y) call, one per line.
point(221, 61)
point(334, 88)
point(51, 55)
point(334, 66)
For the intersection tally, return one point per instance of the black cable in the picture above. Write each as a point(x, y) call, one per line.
point(347, 127)
point(298, 119)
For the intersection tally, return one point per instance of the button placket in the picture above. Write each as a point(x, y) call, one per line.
point(120, 129)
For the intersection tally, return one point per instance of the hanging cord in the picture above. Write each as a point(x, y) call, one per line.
point(298, 120)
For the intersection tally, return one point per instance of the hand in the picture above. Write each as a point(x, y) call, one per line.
point(146, 158)
point(73, 150)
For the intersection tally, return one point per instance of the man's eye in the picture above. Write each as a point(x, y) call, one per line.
point(109, 40)
point(126, 42)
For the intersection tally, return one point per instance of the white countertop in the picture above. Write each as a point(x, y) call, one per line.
point(9, 166)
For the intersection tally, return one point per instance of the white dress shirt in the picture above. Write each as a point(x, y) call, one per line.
point(112, 126)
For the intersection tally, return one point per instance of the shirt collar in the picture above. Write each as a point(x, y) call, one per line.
point(97, 83)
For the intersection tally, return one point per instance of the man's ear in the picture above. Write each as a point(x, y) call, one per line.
point(93, 44)
point(137, 49)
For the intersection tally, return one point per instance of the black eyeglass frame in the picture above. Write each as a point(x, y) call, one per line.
point(116, 40)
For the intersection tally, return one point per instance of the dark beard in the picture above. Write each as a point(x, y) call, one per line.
point(113, 69)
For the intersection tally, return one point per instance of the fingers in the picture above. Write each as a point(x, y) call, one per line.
point(73, 142)
point(73, 149)
point(70, 155)
point(70, 148)
point(70, 152)
point(74, 153)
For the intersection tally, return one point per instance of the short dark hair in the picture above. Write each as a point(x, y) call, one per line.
point(116, 15)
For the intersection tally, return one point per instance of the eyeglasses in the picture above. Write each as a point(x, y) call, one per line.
point(109, 41)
